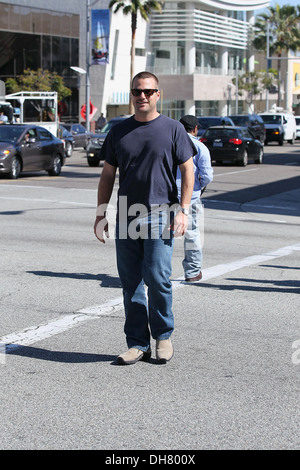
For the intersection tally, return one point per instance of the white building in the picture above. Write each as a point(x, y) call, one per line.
point(194, 47)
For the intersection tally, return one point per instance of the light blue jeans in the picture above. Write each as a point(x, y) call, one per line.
point(192, 262)
point(146, 260)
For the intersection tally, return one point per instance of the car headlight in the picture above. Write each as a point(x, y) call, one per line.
point(276, 131)
point(4, 153)
point(97, 141)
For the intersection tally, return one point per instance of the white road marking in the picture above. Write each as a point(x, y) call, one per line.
point(249, 204)
point(234, 172)
point(37, 333)
point(49, 200)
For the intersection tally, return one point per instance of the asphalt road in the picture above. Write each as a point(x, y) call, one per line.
point(234, 380)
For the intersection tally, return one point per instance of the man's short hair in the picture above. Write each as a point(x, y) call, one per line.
point(190, 122)
point(145, 74)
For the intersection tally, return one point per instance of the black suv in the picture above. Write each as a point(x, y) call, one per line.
point(253, 122)
point(96, 142)
point(208, 121)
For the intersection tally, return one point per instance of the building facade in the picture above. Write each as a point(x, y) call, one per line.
point(194, 47)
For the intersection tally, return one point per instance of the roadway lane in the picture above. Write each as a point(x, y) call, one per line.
point(234, 380)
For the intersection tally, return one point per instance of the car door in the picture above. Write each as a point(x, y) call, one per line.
point(80, 135)
point(251, 144)
point(31, 151)
point(47, 146)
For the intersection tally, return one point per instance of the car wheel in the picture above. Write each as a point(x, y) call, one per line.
point(92, 161)
point(69, 149)
point(280, 142)
point(55, 169)
point(15, 169)
point(244, 161)
point(260, 157)
point(291, 141)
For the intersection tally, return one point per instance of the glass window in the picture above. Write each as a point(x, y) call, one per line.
point(38, 21)
point(45, 135)
point(207, 108)
point(46, 53)
point(18, 52)
point(25, 19)
point(220, 133)
point(207, 56)
point(173, 109)
point(15, 15)
point(66, 23)
point(32, 133)
point(56, 27)
point(74, 56)
point(163, 54)
point(74, 24)
point(46, 18)
point(4, 16)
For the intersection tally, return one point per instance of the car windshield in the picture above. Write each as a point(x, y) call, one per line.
point(240, 120)
point(107, 127)
point(9, 133)
point(218, 133)
point(271, 118)
point(207, 122)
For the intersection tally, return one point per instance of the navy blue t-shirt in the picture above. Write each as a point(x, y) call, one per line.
point(147, 154)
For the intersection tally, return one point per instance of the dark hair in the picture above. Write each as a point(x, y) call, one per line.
point(190, 122)
point(145, 75)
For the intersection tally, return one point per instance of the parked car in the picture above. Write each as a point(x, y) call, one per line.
point(67, 139)
point(297, 127)
point(29, 148)
point(80, 135)
point(208, 121)
point(279, 127)
point(96, 142)
point(253, 122)
point(232, 143)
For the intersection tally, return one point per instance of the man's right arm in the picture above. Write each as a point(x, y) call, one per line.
point(105, 189)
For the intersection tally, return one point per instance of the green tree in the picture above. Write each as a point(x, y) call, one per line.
point(39, 80)
point(133, 8)
point(284, 33)
point(251, 84)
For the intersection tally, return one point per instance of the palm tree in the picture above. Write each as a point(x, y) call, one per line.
point(133, 7)
point(284, 33)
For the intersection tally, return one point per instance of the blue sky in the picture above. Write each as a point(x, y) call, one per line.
point(282, 3)
point(285, 2)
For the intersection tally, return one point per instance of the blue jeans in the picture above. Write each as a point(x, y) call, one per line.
point(146, 260)
point(192, 242)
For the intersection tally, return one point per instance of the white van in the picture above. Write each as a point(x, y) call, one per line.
point(297, 127)
point(280, 126)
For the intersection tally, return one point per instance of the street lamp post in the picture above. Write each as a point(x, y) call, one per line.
point(87, 71)
point(80, 72)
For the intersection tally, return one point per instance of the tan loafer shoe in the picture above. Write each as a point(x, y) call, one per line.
point(194, 279)
point(132, 356)
point(164, 350)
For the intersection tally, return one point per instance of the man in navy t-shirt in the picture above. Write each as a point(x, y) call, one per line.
point(147, 148)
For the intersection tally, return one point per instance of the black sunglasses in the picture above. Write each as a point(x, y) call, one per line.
point(147, 92)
